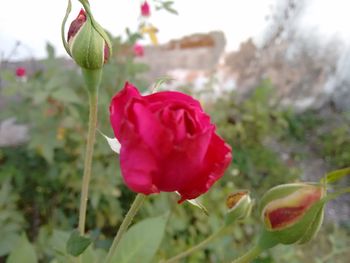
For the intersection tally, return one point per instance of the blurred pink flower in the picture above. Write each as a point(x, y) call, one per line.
point(145, 9)
point(21, 72)
point(138, 50)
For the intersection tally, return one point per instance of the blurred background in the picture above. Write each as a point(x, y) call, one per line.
point(274, 76)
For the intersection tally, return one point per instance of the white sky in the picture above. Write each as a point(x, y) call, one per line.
point(34, 22)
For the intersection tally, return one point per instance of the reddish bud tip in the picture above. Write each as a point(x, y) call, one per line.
point(106, 54)
point(82, 14)
point(76, 24)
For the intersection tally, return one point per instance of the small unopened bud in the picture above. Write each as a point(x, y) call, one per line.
point(21, 72)
point(293, 213)
point(138, 50)
point(86, 45)
point(239, 206)
point(145, 9)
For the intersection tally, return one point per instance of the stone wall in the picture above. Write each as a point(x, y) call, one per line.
point(195, 52)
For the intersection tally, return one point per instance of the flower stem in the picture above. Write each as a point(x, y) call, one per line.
point(197, 247)
point(249, 256)
point(140, 198)
point(92, 80)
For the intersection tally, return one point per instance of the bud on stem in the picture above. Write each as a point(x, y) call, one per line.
point(239, 206)
point(87, 43)
point(293, 213)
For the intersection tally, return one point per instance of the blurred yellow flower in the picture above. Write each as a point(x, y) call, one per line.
point(152, 33)
point(60, 133)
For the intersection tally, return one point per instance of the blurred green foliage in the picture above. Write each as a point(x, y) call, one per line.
point(336, 145)
point(40, 181)
point(249, 126)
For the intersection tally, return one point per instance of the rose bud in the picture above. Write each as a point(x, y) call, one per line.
point(293, 213)
point(168, 143)
point(239, 206)
point(145, 9)
point(87, 46)
point(138, 50)
point(21, 72)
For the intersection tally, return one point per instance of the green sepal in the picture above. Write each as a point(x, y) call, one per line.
point(160, 81)
point(198, 204)
point(304, 229)
point(267, 240)
point(87, 47)
point(96, 25)
point(63, 35)
point(313, 229)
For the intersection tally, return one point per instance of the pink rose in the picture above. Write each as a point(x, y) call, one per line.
point(145, 9)
point(138, 50)
point(21, 72)
point(167, 143)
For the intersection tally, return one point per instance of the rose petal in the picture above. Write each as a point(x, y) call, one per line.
point(184, 162)
point(148, 127)
point(181, 119)
point(215, 163)
point(138, 165)
point(168, 97)
point(119, 104)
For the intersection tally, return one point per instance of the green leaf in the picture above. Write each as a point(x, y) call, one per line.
point(142, 240)
point(171, 10)
point(23, 252)
point(58, 243)
point(167, 5)
point(336, 175)
point(77, 244)
point(8, 242)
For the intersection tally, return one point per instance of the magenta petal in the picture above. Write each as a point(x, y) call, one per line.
point(149, 129)
point(170, 96)
point(184, 162)
point(138, 166)
point(119, 104)
point(216, 161)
